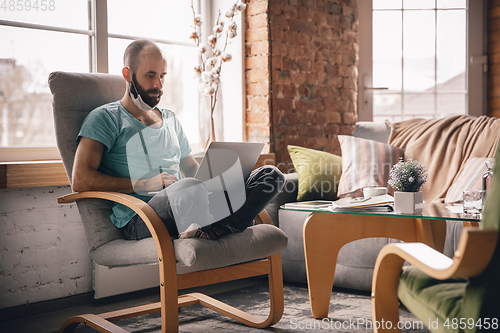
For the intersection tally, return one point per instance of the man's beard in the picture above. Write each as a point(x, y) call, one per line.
point(152, 101)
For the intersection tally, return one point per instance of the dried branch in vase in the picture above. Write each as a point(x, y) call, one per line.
point(214, 54)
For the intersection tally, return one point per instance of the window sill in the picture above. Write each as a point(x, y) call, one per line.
point(52, 173)
point(32, 174)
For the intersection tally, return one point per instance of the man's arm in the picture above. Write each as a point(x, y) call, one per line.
point(189, 166)
point(87, 177)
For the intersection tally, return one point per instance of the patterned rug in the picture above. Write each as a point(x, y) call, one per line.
point(348, 313)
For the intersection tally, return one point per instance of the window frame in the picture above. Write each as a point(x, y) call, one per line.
point(475, 54)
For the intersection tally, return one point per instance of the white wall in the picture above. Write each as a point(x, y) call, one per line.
point(43, 249)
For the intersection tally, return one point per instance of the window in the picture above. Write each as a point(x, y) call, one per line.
point(418, 53)
point(32, 34)
point(42, 36)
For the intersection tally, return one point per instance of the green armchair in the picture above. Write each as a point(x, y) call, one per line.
point(448, 295)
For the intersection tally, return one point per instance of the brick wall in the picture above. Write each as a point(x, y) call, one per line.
point(493, 32)
point(257, 70)
point(43, 249)
point(301, 85)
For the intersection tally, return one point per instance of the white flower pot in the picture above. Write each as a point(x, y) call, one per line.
point(408, 202)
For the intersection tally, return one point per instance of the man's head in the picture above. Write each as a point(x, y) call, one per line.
point(144, 69)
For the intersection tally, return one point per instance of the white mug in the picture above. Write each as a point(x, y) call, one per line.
point(369, 192)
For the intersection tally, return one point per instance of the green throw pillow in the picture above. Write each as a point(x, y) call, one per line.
point(318, 172)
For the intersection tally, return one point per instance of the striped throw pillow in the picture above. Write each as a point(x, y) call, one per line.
point(470, 178)
point(365, 163)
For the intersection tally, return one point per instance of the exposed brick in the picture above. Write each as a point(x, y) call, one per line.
point(321, 118)
point(304, 65)
point(335, 105)
point(333, 117)
point(279, 22)
point(275, 8)
point(304, 90)
point(348, 118)
point(258, 103)
point(256, 7)
point(255, 62)
point(276, 35)
point(302, 26)
point(289, 64)
point(331, 129)
point(258, 88)
point(257, 48)
point(257, 75)
point(257, 21)
point(313, 66)
point(257, 132)
point(254, 117)
point(260, 34)
point(281, 75)
point(289, 90)
point(291, 117)
point(298, 78)
point(282, 104)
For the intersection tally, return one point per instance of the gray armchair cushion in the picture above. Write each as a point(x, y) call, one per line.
point(74, 96)
point(255, 242)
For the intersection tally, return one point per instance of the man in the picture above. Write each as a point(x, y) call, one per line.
point(120, 142)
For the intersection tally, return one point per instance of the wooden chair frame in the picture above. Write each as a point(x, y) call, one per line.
point(474, 252)
point(170, 282)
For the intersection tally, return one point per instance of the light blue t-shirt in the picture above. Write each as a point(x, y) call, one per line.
point(134, 150)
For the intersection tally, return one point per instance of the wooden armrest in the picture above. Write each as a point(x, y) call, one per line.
point(154, 223)
point(474, 252)
point(264, 218)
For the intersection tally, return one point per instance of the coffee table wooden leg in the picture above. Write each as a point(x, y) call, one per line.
point(424, 232)
point(321, 258)
point(325, 234)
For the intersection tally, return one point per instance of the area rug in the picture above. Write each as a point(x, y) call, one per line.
point(348, 313)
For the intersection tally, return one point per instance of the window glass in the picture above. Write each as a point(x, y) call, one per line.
point(167, 20)
point(68, 14)
point(387, 49)
point(431, 73)
point(418, 50)
point(387, 4)
point(441, 4)
point(451, 50)
point(386, 106)
point(27, 57)
point(418, 4)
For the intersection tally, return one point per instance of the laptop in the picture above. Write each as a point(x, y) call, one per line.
point(226, 165)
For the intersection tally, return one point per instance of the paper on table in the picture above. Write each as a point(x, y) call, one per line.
point(375, 201)
point(458, 209)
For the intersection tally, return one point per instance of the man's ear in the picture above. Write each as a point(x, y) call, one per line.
point(127, 74)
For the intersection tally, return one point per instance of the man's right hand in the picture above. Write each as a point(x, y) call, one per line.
point(154, 184)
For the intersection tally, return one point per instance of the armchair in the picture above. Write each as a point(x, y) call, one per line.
point(232, 257)
point(447, 295)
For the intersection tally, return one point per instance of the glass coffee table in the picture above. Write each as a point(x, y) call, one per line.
point(326, 231)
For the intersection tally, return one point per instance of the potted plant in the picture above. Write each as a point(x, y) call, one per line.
point(407, 178)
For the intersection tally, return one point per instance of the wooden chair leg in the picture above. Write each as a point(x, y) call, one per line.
point(91, 320)
point(385, 302)
point(276, 300)
point(170, 303)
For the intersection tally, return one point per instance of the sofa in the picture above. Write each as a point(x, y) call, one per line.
point(356, 260)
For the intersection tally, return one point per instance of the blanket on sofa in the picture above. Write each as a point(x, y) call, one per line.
point(444, 145)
